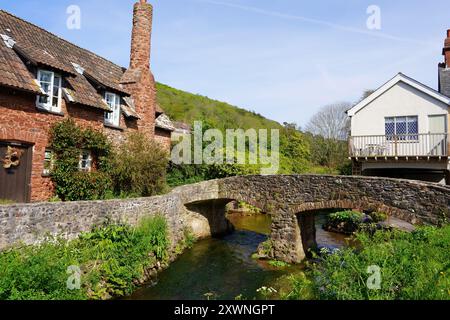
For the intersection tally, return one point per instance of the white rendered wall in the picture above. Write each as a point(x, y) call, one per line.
point(400, 100)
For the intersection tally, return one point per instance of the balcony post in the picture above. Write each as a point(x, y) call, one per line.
point(395, 145)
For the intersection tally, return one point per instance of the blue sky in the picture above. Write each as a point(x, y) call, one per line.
point(283, 59)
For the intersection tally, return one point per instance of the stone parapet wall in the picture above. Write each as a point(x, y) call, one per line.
point(414, 201)
point(31, 223)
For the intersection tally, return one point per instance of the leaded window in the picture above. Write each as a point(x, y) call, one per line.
point(402, 128)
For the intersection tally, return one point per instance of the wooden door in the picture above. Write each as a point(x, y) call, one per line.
point(15, 171)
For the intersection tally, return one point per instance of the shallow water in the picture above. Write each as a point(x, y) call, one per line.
point(222, 268)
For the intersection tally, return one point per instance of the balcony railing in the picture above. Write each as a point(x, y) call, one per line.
point(407, 145)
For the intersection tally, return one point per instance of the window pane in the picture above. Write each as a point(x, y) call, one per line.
point(390, 126)
point(57, 81)
point(48, 162)
point(46, 88)
point(400, 125)
point(113, 101)
point(413, 125)
point(43, 99)
point(85, 161)
point(45, 76)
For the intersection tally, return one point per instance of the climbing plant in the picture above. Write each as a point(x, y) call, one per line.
point(67, 141)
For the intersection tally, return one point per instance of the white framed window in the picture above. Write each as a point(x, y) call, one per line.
point(51, 84)
point(113, 101)
point(402, 128)
point(48, 162)
point(85, 163)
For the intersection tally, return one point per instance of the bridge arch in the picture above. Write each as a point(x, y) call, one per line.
point(288, 198)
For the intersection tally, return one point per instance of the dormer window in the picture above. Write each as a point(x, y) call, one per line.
point(113, 101)
point(50, 83)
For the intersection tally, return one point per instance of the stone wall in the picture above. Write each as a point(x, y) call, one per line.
point(31, 223)
point(413, 201)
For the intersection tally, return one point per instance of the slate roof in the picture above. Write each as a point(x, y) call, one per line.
point(444, 81)
point(39, 47)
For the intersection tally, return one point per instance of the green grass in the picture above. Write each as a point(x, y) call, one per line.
point(413, 266)
point(111, 259)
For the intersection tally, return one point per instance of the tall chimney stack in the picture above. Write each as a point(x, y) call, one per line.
point(141, 35)
point(446, 51)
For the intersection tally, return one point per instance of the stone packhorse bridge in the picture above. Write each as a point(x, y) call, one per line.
point(290, 200)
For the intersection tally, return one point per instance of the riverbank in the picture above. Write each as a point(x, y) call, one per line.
point(223, 268)
point(110, 261)
point(388, 265)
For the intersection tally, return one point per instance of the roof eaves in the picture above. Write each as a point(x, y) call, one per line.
point(400, 77)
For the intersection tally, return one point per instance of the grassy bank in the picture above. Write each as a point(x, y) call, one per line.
point(112, 259)
point(413, 266)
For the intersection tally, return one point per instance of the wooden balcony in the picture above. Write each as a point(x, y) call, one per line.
point(408, 146)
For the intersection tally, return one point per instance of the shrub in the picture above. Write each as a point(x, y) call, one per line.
point(278, 264)
point(378, 216)
point(139, 167)
point(344, 222)
point(414, 266)
point(346, 216)
point(67, 140)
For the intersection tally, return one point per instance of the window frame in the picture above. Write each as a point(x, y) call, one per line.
point(407, 136)
point(113, 118)
point(89, 161)
point(51, 163)
point(48, 106)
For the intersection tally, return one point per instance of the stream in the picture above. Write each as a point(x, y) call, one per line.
point(222, 268)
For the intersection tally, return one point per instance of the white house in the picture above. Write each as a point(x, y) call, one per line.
point(401, 130)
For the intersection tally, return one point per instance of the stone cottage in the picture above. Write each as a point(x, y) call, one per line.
point(45, 79)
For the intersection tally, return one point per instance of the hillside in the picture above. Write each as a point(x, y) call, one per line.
point(188, 107)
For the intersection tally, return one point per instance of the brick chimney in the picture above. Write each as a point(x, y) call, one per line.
point(138, 79)
point(446, 50)
point(444, 68)
point(141, 36)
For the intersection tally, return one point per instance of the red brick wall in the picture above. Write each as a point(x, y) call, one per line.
point(21, 121)
point(163, 137)
point(144, 95)
point(447, 49)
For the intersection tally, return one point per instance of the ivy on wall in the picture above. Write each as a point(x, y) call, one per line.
point(68, 141)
